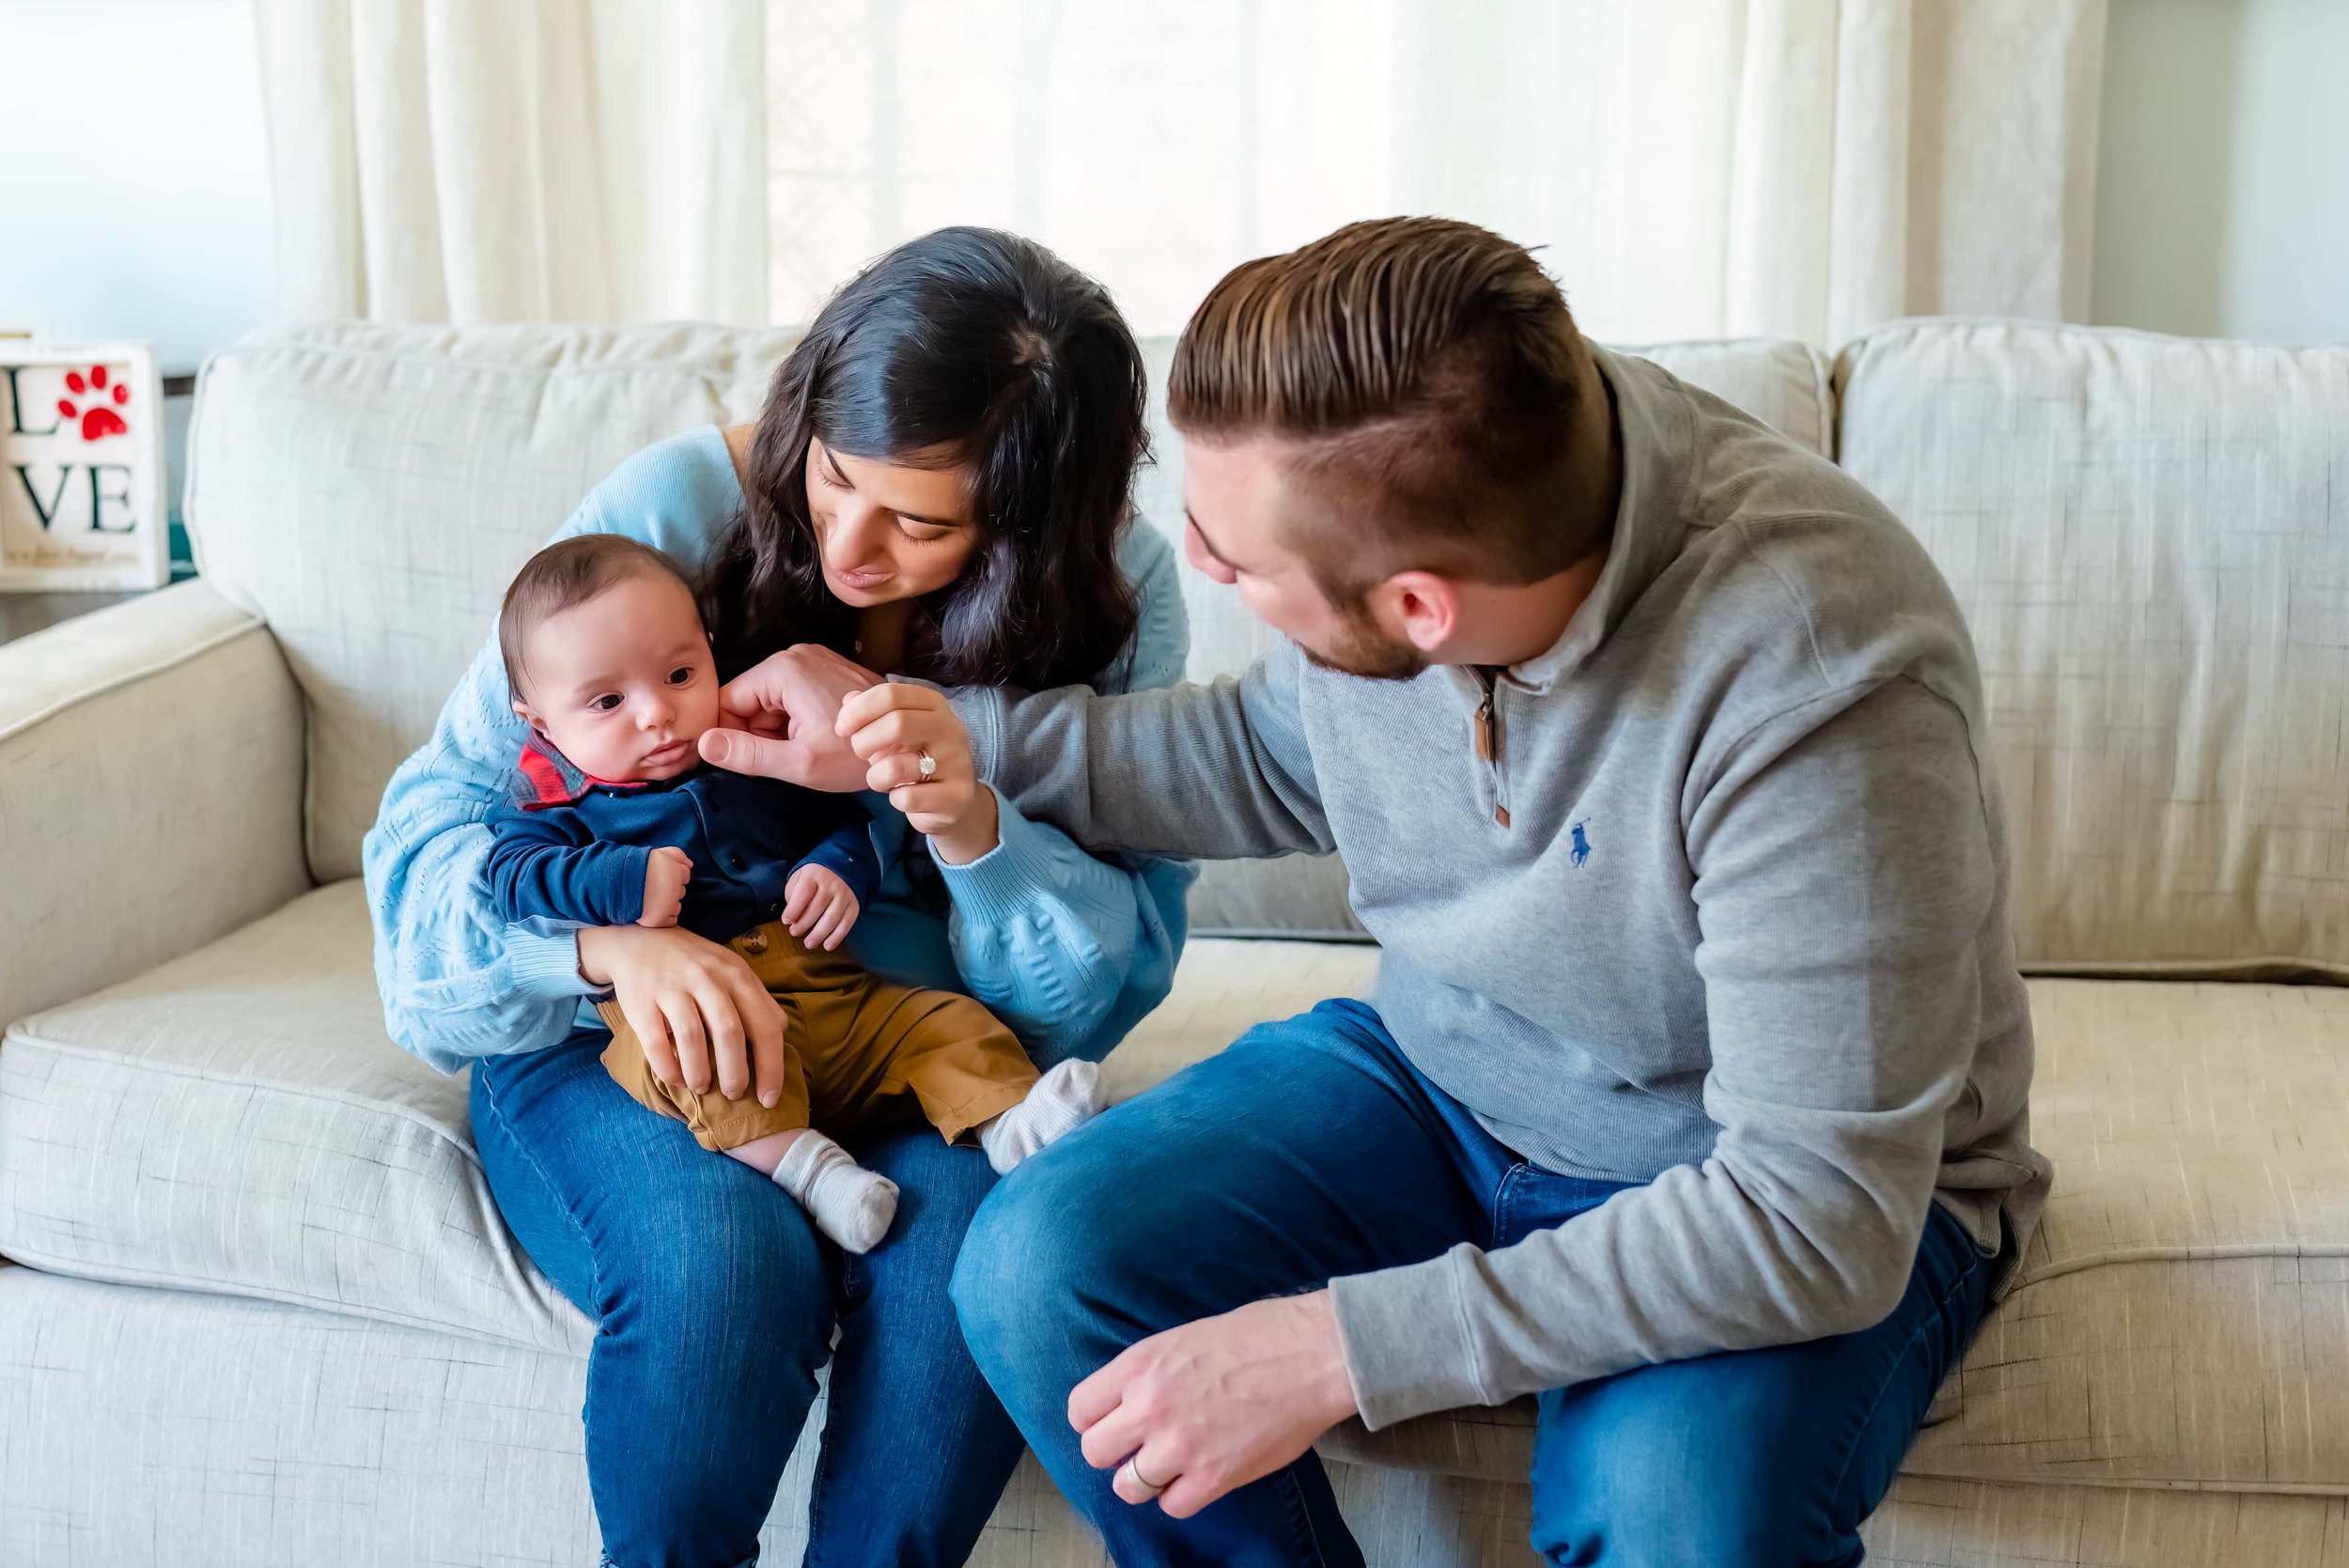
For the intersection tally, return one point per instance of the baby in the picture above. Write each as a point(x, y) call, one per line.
point(615, 821)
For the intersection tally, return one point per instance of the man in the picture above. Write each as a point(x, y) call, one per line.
point(1655, 747)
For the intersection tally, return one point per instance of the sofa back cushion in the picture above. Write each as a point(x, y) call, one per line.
point(2150, 536)
point(369, 490)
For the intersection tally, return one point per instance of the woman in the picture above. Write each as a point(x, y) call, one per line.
point(938, 486)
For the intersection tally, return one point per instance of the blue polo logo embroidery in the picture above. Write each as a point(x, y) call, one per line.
point(1581, 849)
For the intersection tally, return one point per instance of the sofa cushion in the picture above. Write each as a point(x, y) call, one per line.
point(237, 1121)
point(2150, 536)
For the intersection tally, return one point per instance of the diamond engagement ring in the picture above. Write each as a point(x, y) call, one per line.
point(930, 768)
point(1133, 1473)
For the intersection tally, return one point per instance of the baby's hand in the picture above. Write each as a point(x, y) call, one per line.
point(665, 875)
point(818, 906)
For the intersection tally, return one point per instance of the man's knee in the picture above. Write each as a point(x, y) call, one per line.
point(1042, 1252)
point(1670, 1466)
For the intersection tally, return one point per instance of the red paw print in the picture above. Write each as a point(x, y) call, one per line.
point(96, 418)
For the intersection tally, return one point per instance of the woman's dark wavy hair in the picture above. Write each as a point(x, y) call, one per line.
point(965, 347)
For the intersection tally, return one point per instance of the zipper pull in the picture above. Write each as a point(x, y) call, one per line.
point(1485, 750)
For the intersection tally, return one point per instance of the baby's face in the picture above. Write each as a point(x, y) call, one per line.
point(623, 684)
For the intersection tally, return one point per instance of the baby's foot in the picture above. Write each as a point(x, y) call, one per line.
point(851, 1204)
point(1063, 1100)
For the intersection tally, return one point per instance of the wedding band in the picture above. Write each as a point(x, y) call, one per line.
point(930, 768)
point(1133, 1473)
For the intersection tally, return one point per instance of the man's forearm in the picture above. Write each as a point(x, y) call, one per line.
point(1218, 772)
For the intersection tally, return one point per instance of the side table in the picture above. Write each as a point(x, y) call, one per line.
point(21, 614)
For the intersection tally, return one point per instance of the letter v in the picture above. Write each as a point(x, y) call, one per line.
point(47, 513)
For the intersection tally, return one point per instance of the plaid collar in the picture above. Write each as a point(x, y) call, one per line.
point(545, 777)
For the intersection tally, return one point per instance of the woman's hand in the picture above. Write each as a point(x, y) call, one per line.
point(891, 727)
point(695, 1006)
point(785, 707)
point(818, 906)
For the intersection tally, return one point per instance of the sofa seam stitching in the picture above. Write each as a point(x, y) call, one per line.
point(21, 1035)
point(60, 1266)
point(129, 678)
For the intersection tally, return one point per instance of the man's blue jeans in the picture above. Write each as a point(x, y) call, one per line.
point(1310, 1149)
point(715, 1305)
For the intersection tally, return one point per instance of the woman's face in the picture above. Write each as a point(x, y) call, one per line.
point(888, 530)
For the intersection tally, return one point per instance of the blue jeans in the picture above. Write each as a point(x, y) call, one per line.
point(715, 1304)
point(1311, 1149)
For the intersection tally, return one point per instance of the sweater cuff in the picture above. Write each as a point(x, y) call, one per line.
point(1000, 883)
point(1408, 1350)
point(981, 710)
point(545, 964)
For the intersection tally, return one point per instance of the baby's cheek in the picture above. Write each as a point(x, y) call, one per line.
point(701, 713)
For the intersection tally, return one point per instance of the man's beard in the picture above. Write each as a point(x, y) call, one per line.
point(1362, 649)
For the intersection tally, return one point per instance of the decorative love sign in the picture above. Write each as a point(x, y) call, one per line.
point(81, 467)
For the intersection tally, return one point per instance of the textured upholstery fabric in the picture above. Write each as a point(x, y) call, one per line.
point(1942, 1523)
point(151, 800)
point(2150, 536)
point(273, 1436)
point(237, 1121)
point(155, 1428)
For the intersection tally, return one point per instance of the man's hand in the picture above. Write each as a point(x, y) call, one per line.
point(665, 875)
point(695, 1006)
point(786, 706)
point(1214, 1404)
point(818, 906)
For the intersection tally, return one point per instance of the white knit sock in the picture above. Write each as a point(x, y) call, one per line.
point(848, 1204)
point(1062, 1100)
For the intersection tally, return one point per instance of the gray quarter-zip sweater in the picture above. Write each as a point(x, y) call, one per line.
point(1712, 897)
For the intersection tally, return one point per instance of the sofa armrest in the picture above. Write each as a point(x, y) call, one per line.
point(151, 791)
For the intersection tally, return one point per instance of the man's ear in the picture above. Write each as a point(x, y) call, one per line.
point(1425, 608)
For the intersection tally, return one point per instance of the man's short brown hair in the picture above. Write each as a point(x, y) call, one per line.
point(570, 572)
point(1429, 376)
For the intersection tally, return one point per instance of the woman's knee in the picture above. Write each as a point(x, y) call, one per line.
point(732, 1285)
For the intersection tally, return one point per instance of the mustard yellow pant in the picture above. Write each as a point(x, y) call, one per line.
point(857, 1050)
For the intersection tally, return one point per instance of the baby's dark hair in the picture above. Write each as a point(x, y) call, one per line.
point(566, 573)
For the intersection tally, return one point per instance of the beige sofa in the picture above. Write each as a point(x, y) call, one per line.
point(266, 1313)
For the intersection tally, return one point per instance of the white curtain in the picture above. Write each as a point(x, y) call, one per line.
point(1802, 168)
point(471, 160)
